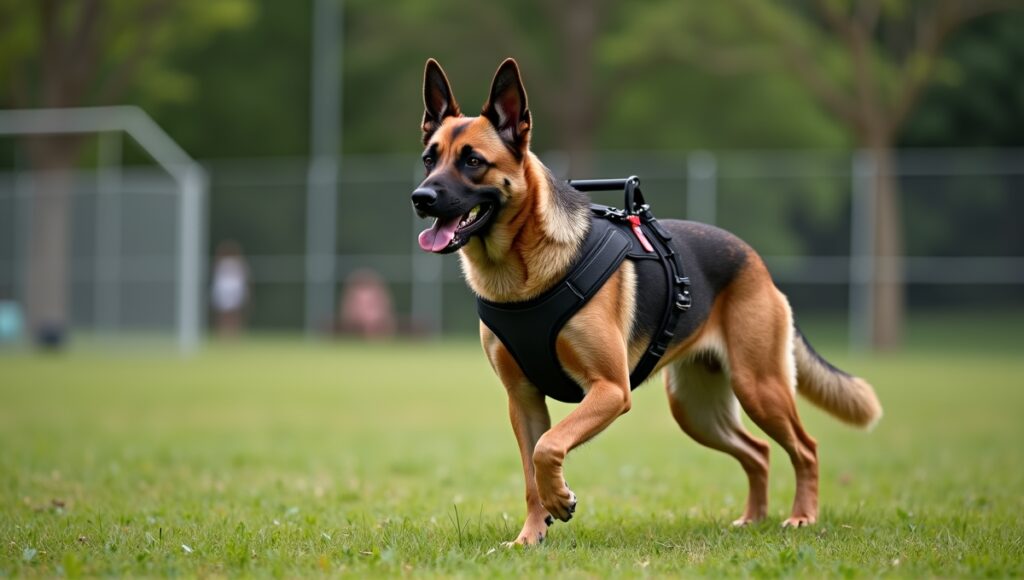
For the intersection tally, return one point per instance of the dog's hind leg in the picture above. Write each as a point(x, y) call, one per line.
point(758, 328)
point(703, 404)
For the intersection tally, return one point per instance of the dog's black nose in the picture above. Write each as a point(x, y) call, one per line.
point(424, 197)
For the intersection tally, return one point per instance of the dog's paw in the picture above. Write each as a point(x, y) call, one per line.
point(525, 541)
point(535, 530)
point(798, 522)
point(747, 520)
point(560, 503)
point(527, 537)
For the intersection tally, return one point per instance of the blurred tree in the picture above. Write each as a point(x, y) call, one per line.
point(580, 102)
point(883, 54)
point(865, 62)
point(249, 89)
point(665, 90)
point(979, 101)
point(979, 104)
point(383, 75)
point(56, 53)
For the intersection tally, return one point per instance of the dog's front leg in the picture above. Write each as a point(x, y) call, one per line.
point(529, 415)
point(604, 402)
point(598, 359)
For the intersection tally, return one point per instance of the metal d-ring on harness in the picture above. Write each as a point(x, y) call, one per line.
point(529, 329)
point(637, 214)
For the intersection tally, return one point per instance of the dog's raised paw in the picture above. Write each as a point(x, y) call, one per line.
point(571, 508)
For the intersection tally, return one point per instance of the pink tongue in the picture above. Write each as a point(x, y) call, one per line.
point(438, 236)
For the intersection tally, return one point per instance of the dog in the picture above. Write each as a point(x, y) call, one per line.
point(518, 231)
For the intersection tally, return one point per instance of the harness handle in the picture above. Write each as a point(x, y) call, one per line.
point(635, 202)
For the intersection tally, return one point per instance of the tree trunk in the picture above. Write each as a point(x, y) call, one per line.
point(579, 103)
point(47, 281)
point(888, 288)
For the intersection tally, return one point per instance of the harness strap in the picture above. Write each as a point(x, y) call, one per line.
point(679, 299)
point(529, 329)
point(677, 283)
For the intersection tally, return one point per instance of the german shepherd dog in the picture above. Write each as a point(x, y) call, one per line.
point(518, 230)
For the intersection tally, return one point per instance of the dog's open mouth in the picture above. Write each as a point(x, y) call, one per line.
point(450, 234)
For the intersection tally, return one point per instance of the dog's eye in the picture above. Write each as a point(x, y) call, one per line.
point(428, 161)
point(473, 162)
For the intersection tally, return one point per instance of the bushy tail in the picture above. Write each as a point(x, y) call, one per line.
point(850, 399)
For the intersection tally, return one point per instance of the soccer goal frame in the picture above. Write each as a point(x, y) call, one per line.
point(187, 174)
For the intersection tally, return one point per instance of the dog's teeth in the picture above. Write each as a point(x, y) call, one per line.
point(473, 212)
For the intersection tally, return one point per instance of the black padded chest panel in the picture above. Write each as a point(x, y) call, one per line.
point(529, 329)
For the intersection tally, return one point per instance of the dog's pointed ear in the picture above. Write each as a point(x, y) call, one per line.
point(438, 100)
point(506, 108)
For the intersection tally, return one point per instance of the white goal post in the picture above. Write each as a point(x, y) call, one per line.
point(188, 175)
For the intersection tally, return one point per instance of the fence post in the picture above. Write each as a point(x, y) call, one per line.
point(23, 216)
point(701, 187)
point(107, 281)
point(191, 264)
point(862, 235)
point(325, 148)
point(321, 236)
point(427, 277)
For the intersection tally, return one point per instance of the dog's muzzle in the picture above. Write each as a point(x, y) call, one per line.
point(456, 217)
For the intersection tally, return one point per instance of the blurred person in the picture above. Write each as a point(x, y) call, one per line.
point(230, 289)
point(365, 307)
point(10, 320)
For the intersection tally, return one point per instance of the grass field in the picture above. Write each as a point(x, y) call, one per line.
point(281, 457)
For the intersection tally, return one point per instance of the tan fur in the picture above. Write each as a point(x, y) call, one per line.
point(745, 355)
point(529, 247)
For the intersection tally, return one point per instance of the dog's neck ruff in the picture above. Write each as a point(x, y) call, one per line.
point(525, 255)
point(530, 328)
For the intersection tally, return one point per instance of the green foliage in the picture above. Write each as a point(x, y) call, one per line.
point(187, 26)
point(669, 75)
point(132, 38)
point(979, 100)
point(288, 458)
point(19, 26)
point(251, 89)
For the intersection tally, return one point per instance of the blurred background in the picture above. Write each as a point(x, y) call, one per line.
point(175, 170)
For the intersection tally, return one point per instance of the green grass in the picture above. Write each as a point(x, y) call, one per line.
point(276, 457)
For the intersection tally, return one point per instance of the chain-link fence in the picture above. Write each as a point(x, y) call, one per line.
point(964, 246)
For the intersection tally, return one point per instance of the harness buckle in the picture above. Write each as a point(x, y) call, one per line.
point(613, 212)
point(683, 300)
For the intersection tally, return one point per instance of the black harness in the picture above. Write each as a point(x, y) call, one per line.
point(529, 329)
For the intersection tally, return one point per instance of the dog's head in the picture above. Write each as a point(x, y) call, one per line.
point(474, 165)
